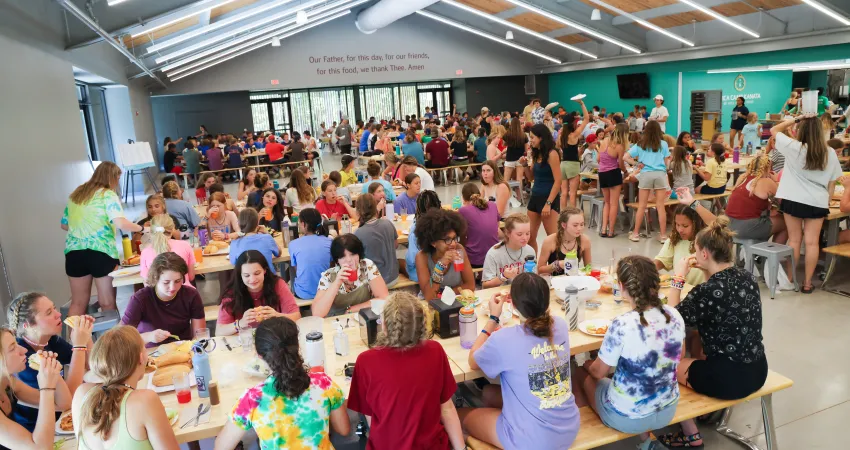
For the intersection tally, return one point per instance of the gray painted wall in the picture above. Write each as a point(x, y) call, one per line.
point(448, 50)
point(181, 115)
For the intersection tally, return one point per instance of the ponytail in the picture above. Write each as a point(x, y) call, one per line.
point(471, 194)
point(161, 227)
point(276, 341)
point(719, 153)
point(510, 223)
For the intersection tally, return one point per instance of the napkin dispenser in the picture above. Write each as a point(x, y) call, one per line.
point(446, 318)
point(369, 325)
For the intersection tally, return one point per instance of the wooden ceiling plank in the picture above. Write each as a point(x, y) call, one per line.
point(488, 6)
point(536, 22)
point(162, 32)
point(229, 7)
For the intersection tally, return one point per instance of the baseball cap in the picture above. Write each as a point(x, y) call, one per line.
point(591, 138)
point(659, 97)
point(485, 109)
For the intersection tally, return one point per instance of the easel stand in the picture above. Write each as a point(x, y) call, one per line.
point(130, 182)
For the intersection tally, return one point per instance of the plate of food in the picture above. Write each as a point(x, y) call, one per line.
point(132, 261)
point(65, 424)
point(594, 327)
point(174, 360)
point(172, 415)
point(468, 298)
point(665, 280)
point(257, 367)
point(125, 272)
point(217, 248)
point(578, 97)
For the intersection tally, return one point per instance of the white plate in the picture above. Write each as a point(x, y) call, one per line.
point(578, 97)
point(170, 387)
point(59, 430)
point(125, 272)
point(596, 323)
point(224, 251)
point(256, 368)
point(405, 232)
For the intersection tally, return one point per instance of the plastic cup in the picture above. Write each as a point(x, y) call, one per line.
point(268, 214)
point(214, 215)
point(595, 273)
point(203, 333)
point(183, 388)
point(352, 275)
point(246, 337)
point(458, 265)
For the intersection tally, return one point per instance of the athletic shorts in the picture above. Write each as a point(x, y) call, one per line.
point(653, 180)
point(537, 202)
point(719, 377)
point(802, 210)
point(511, 163)
point(758, 228)
point(611, 178)
point(570, 169)
point(708, 190)
point(82, 263)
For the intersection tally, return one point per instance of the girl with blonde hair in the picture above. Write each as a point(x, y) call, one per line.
point(154, 205)
point(162, 241)
point(496, 148)
point(611, 169)
point(91, 217)
point(505, 260)
point(494, 188)
point(50, 389)
point(101, 410)
point(405, 382)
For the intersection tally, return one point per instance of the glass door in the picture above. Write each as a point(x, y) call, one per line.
point(426, 99)
point(281, 122)
point(439, 100)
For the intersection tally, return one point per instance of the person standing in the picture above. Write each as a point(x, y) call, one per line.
point(823, 102)
point(344, 134)
point(739, 119)
point(660, 113)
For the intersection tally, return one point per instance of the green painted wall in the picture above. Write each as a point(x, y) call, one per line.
point(818, 78)
point(600, 85)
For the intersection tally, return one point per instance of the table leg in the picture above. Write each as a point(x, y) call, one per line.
point(723, 428)
point(831, 239)
point(769, 425)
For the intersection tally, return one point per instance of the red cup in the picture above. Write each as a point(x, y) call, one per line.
point(184, 397)
point(458, 266)
point(352, 275)
point(595, 273)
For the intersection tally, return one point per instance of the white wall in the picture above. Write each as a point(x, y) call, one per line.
point(38, 94)
point(448, 50)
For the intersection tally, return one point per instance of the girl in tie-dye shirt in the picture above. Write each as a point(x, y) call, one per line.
point(645, 346)
point(292, 408)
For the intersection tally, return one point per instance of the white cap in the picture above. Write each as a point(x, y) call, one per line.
point(659, 97)
point(485, 109)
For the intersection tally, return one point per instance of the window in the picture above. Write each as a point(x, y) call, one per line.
point(85, 117)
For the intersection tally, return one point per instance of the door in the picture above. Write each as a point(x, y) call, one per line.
point(281, 122)
point(426, 99)
point(272, 115)
point(439, 100)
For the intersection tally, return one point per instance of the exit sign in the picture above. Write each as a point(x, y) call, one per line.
point(275, 82)
point(458, 72)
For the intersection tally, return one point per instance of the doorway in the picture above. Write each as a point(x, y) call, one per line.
point(438, 99)
point(272, 114)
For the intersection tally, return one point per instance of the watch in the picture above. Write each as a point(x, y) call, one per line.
point(694, 204)
point(548, 203)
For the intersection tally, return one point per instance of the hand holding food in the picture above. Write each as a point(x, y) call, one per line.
point(497, 301)
point(48, 369)
point(511, 272)
point(218, 235)
point(81, 329)
point(156, 336)
point(685, 264)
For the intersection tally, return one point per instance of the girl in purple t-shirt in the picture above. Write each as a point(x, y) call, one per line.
point(482, 219)
point(535, 407)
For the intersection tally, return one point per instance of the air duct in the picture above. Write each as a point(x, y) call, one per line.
point(386, 12)
point(85, 19)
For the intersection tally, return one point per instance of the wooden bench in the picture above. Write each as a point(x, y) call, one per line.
point(835, 250)
point(185, 175)
point(403, 282)
point(440, 172)
point(593, 433)
point(211, 313)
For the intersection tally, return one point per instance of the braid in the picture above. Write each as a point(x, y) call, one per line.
point(640, 278)
point(22, 310)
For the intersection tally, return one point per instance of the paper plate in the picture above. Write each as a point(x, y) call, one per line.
point(168, 388)
point(125, 272)
point(594, 323)
point(578, 97)
point(60, 431)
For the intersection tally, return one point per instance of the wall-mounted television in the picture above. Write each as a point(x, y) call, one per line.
point(633, 85)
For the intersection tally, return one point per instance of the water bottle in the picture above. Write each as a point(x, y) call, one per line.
point(201, 365)
point(456, 203)
point(749, 148)
point(276, 184)
point(314, 352)
point(468, 327)
point(390, 212)
point(615, 289)
point(127, 246)
point(736, 155)
point(340, 340)
point(574, 312)
point(767, 115)
point(203, 236)
point(345, 226)
point(530, 265)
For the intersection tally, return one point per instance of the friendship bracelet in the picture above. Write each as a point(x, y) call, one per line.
point(486, 332)
point(80, 349)
point(494, 319)
point(46, 389)
point(677, 282)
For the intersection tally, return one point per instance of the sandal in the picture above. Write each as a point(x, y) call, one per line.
point(611, 234)
point(807, 290)
point(680, 440)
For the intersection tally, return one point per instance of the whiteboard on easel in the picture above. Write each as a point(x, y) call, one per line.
point(136, 155)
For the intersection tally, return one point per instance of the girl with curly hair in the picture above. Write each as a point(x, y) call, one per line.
point(293, 407)
point(535, 406)
point(645, 346)
point(404, 384)
point(688, 221)
point(438, 234)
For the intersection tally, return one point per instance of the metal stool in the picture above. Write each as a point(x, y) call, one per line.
point(103, 320)
point(596, 209)
point(743, 245)
point(515, 185)
point(585, 198)
point(774, 253)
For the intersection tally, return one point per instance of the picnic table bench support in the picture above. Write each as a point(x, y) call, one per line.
point(767, 419)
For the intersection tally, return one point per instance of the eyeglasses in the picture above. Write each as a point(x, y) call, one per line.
point(449, 241)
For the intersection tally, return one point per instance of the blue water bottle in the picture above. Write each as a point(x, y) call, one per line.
point(456, 203)
point(203, 373)
point(530, 265)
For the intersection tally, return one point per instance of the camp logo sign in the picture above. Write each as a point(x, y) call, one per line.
point(740, 82)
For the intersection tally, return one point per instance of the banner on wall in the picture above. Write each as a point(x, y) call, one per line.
point(751, 99)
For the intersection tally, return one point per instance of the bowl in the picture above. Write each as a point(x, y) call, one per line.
point(587, 286)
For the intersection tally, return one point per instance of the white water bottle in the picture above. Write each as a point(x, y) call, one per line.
point(340, 340)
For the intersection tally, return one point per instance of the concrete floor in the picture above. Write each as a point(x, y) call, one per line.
point(806, 338)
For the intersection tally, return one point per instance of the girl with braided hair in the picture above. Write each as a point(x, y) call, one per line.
point(565, 249)
point(535, 406)
point(101, 410)
point(292, 408)
point(37, 324)
point(404, 384)
point(645, 346)
point(690, 218)
point(726, 310)
point(50, 394)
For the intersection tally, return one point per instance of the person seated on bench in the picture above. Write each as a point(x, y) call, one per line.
point(229, 204)
point(179, 208)
point(535, 407)
point(442, 261)
point(295, 150)
point(271, 209)
point(252, 239)
point(505, 260)
point(406, 201)
point(494, 187)
point(726, 310)
point(349, 176)
point(645, 346)
point(333, 206)
point(246, 184)
point(256, 291)
point(482, 220)
point(274, 151)
point(714, 172)
point(568, 249)
point(202, 188)
point(437, 151)
point(351, 284)
point(300, 195)
point(374, 171)
point(341, 192)
point(261, 183)
point(687, 223)
point(310, 254)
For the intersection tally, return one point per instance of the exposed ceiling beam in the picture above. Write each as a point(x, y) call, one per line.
point(644, 23)
point(571, 23)
point(827, 9)
point(204, 18)
point(165, 17)
point(514, 26)
point(720, 17)
point(668, 10)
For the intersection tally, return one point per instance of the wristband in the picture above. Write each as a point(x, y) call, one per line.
point(486, 332)
point(46, 389)
point(694, 204)
point(677, 282)
point(80, 349)
point(494, 319)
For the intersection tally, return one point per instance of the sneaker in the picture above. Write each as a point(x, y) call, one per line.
point(634, 238)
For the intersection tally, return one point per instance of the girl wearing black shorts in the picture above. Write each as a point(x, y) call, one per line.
point(611, 169)
point(807, 184)
point(546, 175)
point(516, 141)
point(726, 310)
